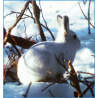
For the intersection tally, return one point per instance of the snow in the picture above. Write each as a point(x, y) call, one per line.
point(35, 90)
point(58, 90)
point(83, 60)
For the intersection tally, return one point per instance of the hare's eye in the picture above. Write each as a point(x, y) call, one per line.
point(74, 36)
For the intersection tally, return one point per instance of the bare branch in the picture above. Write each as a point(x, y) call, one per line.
point(13, 12)
point(89, 18)
point(87, 89)
point(89, 77)
point(42, 14)
point(8, 72)
point(85, 81)
point(26, 36)
point(14, 40)
point(93, 55)
point(85, 16)
point(85, 72)
point(63, 65)
point(51, 93)
point(47, 86)
point(24, 17)
point(46, 23)
point(73, 78)
point(17, 20)
point(51, 73)
point(19, 54)
point(25, 95)
point(37, 16)
point(30, 11)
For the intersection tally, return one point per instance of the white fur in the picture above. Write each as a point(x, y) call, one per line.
point(41, 57)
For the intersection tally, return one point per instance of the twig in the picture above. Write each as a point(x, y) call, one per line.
point(24, 17)
point(84, 1)
point(11, 66)
point(19, 54)
point(63, 65)
point(25, 30)
point(42, 14)
point(30, 12)
point(91, 89)
point(25, 95)
point(17, 20)
point(4, 30)
point(85, 72)
point(51, 73)
point(85, 81)
point(47, 86)
point(14, 12)
point(85, 16)
point(88, 77)
point(51, 93)
point(93, 55)
point(20, 25)
point(87, 89)
point(89, 18)
point(76, 94)
point(46, 22)
point(58, 79)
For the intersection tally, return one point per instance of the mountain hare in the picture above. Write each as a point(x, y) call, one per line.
point(43, 56)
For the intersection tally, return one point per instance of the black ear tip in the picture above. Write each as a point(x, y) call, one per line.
point(66, 17)
point(59, 16)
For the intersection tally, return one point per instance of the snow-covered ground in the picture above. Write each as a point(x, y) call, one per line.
point(58, 90)
point(83, 60)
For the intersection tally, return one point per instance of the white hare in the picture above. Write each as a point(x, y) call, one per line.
point(42, 57)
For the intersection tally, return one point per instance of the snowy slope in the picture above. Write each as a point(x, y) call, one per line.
point(83, 60)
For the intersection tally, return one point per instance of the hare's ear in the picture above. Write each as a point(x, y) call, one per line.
point(65, 21)
point(59, 21)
